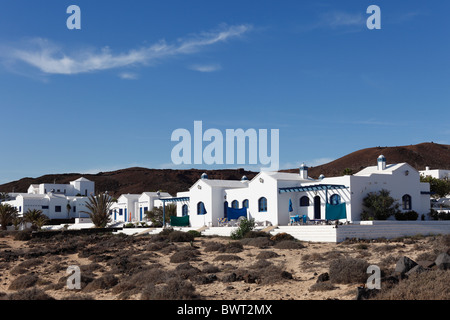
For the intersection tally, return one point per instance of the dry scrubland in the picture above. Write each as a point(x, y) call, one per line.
point(174, 265)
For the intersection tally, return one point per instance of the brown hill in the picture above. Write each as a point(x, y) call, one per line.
point(436, 156)
point(138, 180)
point(133, 180)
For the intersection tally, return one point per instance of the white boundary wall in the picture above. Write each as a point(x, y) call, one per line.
point(329, 233)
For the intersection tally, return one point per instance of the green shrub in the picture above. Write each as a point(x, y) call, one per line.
point(245, 226)
point(435, 215)
point(407, 215)
point(195, 233)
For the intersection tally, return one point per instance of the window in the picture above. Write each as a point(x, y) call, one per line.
point(201, 208)
point(74, 208)
point(406, 200)
point(184, 210)
point(235, 204)
point(57, 208)
point(44, 207)
point(262, 205)
point(335, 199)
point(120, 212)
point(304, 201)
point(245, 204)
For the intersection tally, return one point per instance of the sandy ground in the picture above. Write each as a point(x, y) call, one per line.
point(304, 264)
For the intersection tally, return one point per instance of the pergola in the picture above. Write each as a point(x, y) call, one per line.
point(313, 187)
point(171, 199)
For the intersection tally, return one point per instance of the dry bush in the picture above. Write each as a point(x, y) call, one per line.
point(227, 257)
point(180, 236)
point(322, 286)
point(31, 263)
point(260, 264)
point(267, 255)
point(161, 246)
point(186, 271)
point(282, 237)
point(428, 285)
point(174, 289)
point(348, 270)
point(105, 282)
point(386, 248)
point(18, 270)
point(260, 242)
point(23, 282)
point(184, 256)
point(210, 269)
point(149, 276)
point(232, 247)
point(270, 274)
point(288, 244)
point(213, 246)
point(30, 294)
point(257, 234)
point(313, 257)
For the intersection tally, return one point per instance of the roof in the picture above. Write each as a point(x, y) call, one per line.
point(82, 179)
point(130, 196)
point(155, 194)
point(224, 183)
point(390, 168)
point(32, 195)
point(286, 176)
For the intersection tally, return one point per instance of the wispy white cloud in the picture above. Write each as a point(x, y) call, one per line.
point(128, 76)
point(205, 67)
point(51, 58)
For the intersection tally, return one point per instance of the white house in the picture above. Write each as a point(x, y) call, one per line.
point(132, 207)
point(79, 187)
point(56, 201)
point(276, 196)
point(435, 173)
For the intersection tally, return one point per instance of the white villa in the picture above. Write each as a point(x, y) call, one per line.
point(435, 173)
point(132, 207)
point(274, 197)
point(56, 201)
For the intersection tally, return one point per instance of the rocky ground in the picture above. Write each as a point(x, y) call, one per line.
point(175, 266)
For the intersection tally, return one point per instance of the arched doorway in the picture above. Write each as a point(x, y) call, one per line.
point(317, 213)
point(225, 209)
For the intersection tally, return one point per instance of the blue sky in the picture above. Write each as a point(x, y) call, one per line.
point(110, 95)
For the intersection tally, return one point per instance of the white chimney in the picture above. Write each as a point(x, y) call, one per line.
point(381, 162)
point(303, 171)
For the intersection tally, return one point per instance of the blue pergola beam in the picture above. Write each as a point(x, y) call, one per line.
point(317, 187)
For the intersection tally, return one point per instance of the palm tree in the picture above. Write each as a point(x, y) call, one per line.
point(7, 215)
point(98, 209)
point(36, 218)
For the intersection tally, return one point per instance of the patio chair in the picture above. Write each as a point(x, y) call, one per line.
point(295, 220)
point(222, 222)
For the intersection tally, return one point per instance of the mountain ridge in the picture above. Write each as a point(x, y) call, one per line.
point(138, 179)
